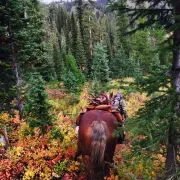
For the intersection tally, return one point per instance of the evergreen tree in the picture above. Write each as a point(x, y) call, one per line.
point(22, 39)
point(72, 77)
point(100, 68)
point(59, 21)
point(11, 22)
point(118, 65)
point(165, 13)
point(80, 13)
point(74, 29)
point(7, 78)
point(123, 66)
point(111, 39)
point(150, 127)
point(77, 45)
point(57, 58)
point(142, 49)
point(37, 108)
point(29, 42)
point(88, 30)
point(80, 53)
point(123, 41)
point(158, 38)
point(61, 18)
point(137, 74)
point(68, 34)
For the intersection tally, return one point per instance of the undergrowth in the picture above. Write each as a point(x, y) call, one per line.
point(35, 156)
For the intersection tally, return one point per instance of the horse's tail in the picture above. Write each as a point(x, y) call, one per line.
point(98, 143)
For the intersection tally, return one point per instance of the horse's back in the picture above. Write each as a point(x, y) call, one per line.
point(84, 137)
point(98, 115)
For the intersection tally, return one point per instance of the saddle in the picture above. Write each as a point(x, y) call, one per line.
point(94, 105)
point(115, 113)
point(100, 102)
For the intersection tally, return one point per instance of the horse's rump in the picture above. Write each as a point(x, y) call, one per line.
point(85, 128)
point(95, 140)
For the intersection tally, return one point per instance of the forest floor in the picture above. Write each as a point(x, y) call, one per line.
point(51, 156)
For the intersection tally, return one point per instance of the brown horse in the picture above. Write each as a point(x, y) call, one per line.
point(96, 143)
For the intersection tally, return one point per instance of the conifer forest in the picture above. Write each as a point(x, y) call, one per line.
point(57, 57)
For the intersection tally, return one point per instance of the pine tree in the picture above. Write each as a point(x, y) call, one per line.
point(80, 13)
point(123, 41)
point(68, 34)
point(142, 49)
point(22, 39)
point(37, 108)
point(10, 27)
point(7, 78)
point(137, 74)
point(72, 77)
point(111, 39)
point(74, 30)
point(100, 68)
point(77, 44)
point(80, 53)
point(117, 65)
point(57, 58)
point(166, 14)
point(150, 126)
point(88, 33)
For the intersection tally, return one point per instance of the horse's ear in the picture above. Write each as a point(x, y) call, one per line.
point(111, 95)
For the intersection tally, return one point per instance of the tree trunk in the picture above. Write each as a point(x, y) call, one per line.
point(176, 53)
point(15, 68)
point(6, 137)
point(171, 156)
point(171, 167)
point(90, 39)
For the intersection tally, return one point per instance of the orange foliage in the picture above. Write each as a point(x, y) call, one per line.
point(70, 153)
point(38, 156)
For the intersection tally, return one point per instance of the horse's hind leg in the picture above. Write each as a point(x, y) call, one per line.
point(109, 159)
point(107, 165)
